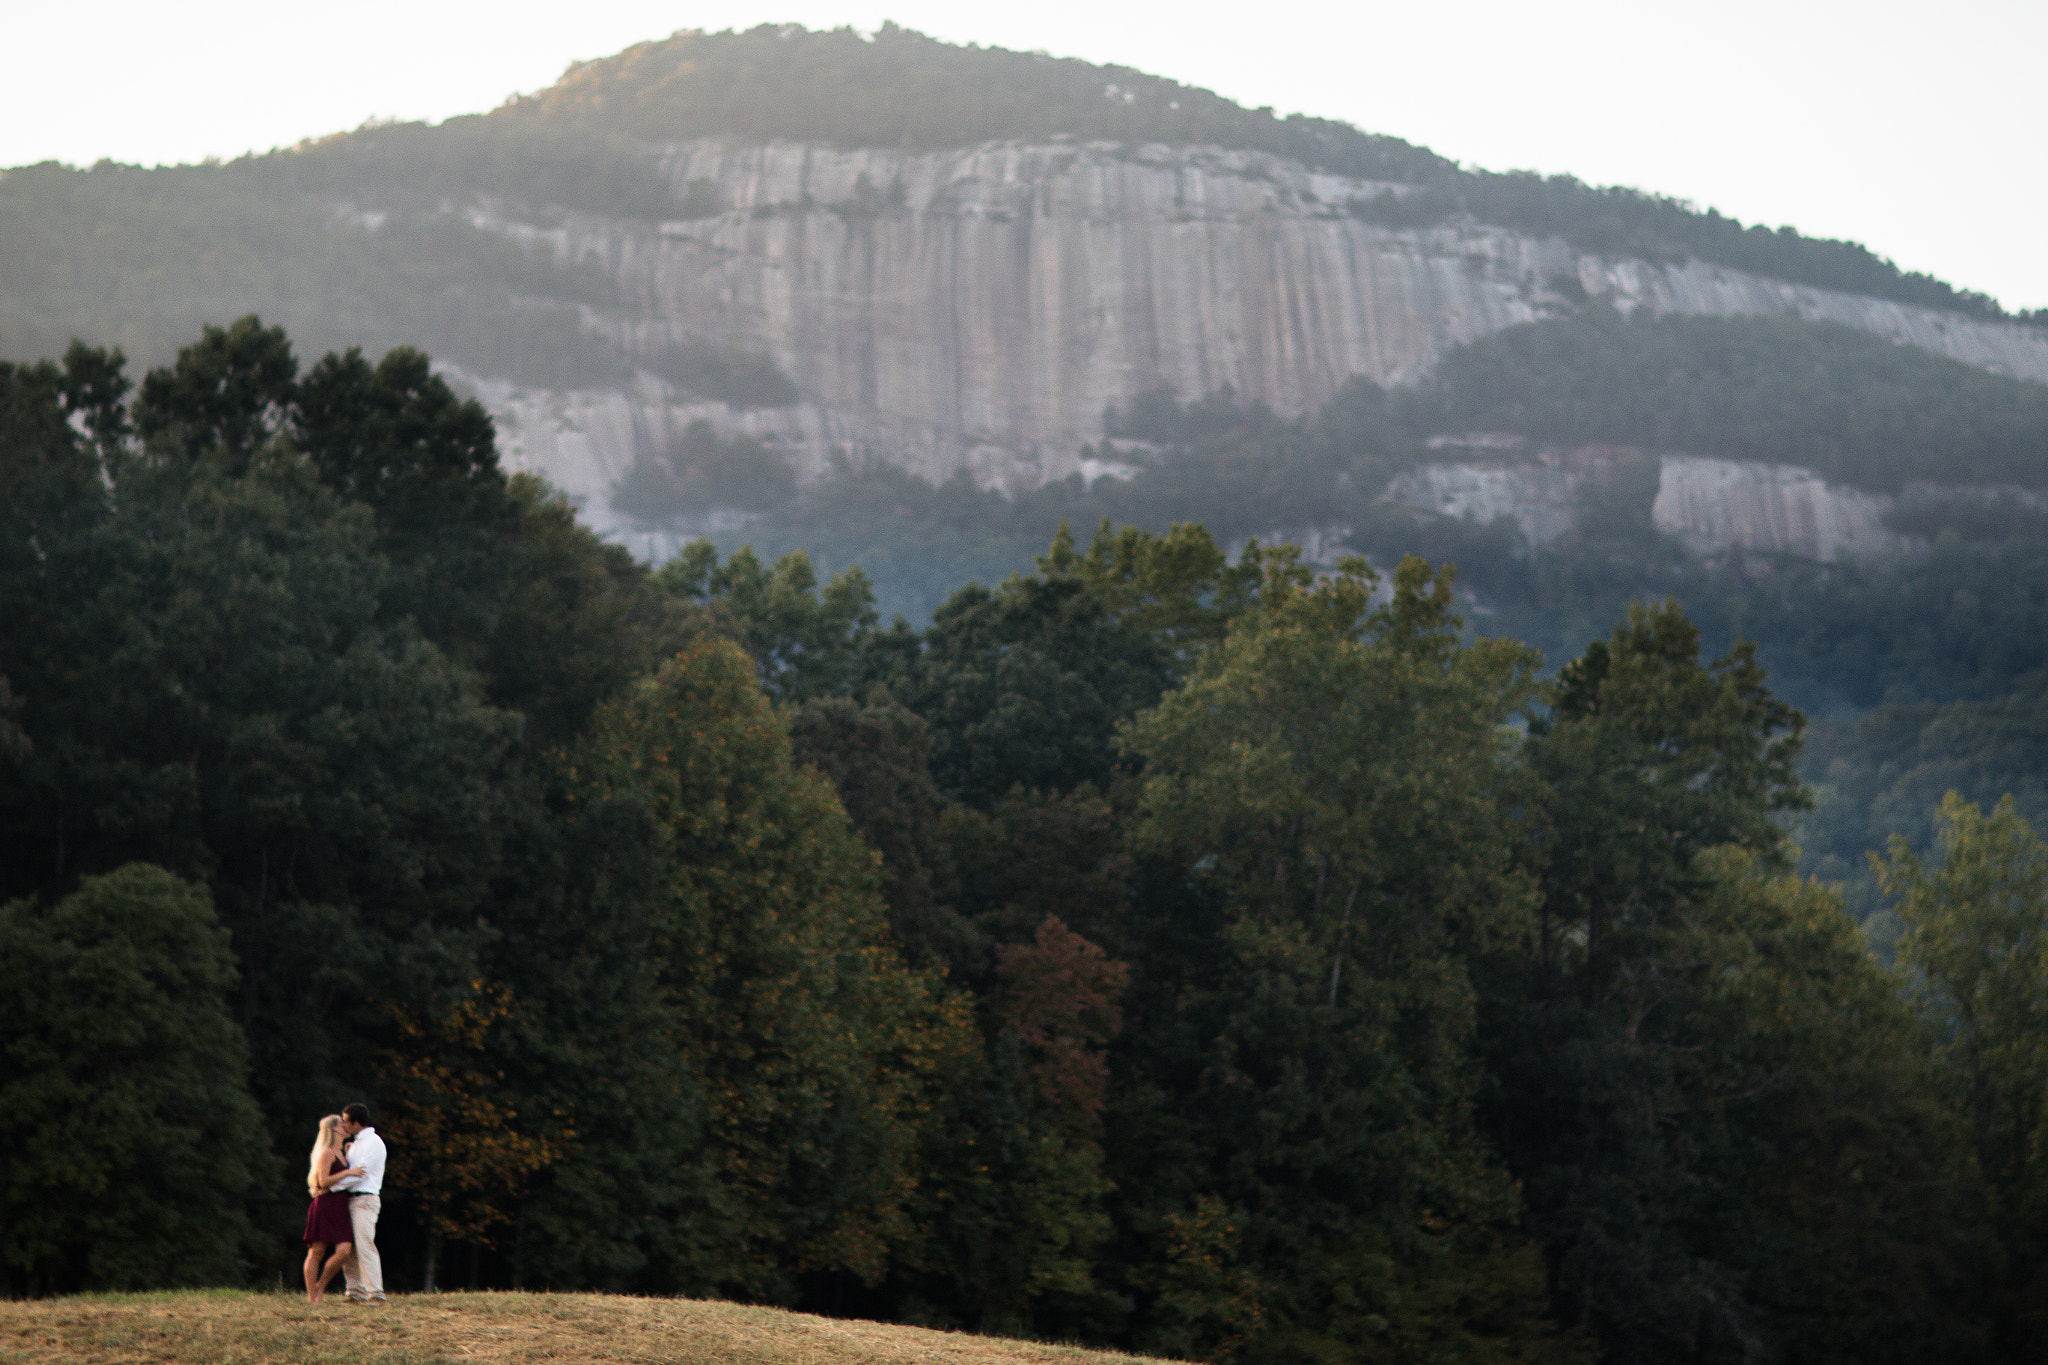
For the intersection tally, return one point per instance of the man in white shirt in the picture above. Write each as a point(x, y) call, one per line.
point(364, 1270)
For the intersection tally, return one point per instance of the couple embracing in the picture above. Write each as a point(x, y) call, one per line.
point(346, 1180)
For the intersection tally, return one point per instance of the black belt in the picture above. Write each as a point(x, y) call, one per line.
point(354, 1194)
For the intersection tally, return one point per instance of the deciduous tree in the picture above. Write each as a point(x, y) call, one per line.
point(131, 1145)
point(1977, 939)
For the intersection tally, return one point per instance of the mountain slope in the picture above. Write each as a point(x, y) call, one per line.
point(780, 234)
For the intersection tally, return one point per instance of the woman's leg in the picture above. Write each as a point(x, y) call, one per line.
point(342, 1251)
point(313, 1254)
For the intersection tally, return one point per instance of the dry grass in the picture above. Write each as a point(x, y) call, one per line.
point(229, 1328)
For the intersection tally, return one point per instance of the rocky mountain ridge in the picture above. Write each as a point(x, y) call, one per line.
point(1712, 506)
point(977, 310)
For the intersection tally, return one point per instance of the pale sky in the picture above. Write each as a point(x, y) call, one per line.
point(1920, 130)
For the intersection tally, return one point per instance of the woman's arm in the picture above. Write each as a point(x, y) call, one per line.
point(328, 1180)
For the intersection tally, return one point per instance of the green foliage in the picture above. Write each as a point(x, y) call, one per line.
point(1653, 759)
point(877, 755)
point(1885, 774)
point(632, 1204)
point(1010, 1213)
point(1158, 950)
point(807, 641)
point(903, 89)
point(1779, 1168)
point(1038, 855)
point(575, 619)
point(1617, 221)
point(812, 1042)
point(740, 378)
point(704, 470)
point(107, 253)
point(1859, 409)
point(1334, 780)
point(215, 662)
point(1703, 1080)
point(123, 1090)
point(915, 543)
point(1977, 936)
point(395, 436)
point(1024, 684)
point(224, 397)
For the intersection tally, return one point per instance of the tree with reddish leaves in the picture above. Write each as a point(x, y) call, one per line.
point(1061, 999)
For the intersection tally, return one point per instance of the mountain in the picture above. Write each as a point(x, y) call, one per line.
point(893, 251)
point(911, 305)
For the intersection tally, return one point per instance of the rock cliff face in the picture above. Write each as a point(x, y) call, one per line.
point(1538, 487)
point(1712, 506)
point(1770, 509)
point(977, 310)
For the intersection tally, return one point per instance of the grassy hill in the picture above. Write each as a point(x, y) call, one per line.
point(236, 1328)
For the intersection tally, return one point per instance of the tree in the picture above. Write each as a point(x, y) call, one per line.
point(1024, 685)
point(468, 1156)
point(1011, 1205)
point(1815, 1163)
point(1332, 785)
point(1977, 937)
point(877, 756)
point(132, 1147)
point(214, 662)
point(1653, 757)
point(495, 572)
point(1039, 854)
point(1702, 1081)
point(1062, 1002)
point(395, 438)
point(702, 470)
point(226, 396)
point(1646, 759)
point(808, 640)
point(206, 684)
point(634, 1203)
point(814, 1045)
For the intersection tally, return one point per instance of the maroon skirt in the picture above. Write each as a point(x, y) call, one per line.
point(327, 1220)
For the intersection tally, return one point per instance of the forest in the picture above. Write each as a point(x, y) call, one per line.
point(1163, 948)
point(1965, 619)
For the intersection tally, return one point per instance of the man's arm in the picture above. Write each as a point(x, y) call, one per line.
point(371, 1159)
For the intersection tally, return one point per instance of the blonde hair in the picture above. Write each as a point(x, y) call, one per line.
point(323, 1147)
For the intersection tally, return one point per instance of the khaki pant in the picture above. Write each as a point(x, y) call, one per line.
point(364, 1271)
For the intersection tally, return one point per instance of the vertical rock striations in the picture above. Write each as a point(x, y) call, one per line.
point(1770, 509)
point(977, 310)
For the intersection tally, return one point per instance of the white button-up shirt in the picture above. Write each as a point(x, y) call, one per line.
point(366, 1151)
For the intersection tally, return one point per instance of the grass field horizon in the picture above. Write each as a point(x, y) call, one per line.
point(246, 1327)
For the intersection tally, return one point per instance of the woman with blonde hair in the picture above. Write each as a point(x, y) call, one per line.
point(327, 1223)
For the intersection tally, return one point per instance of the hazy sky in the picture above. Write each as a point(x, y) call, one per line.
point(1920, 130)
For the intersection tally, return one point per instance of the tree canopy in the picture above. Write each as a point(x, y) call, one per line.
point(1176, 947)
